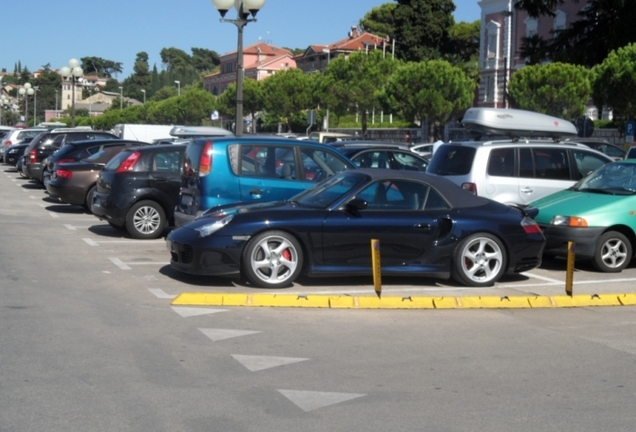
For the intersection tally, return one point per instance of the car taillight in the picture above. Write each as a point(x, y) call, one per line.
point(530, 226)
point(33, 156)
point(129, 163)
point(206, 160)
point(8, 143)
point(63, 161)
point(62, 173)
point(470, 187)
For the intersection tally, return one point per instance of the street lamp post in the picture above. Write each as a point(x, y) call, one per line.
point(245, 8)
point(74, 72)
point(121, 97)
point(328, 51)
point(3, 103)
point(35, 104)
point(26, 91)
point(56, 102)
point(178, 83)
point(144, 92)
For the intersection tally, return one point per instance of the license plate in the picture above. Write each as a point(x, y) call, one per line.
point(186, 200)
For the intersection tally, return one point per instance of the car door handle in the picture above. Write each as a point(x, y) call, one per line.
point(256, 192)
point(423, 226)
point(527, 190)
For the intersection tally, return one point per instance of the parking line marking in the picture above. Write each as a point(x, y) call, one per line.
point(54, 215)
point(42, 205)
point(32, 197)
point(90, 242)
point(127, 241)
point(547, 279)
point(119, 263)
point(146, 263)
point(159, 293)
point(70, 227)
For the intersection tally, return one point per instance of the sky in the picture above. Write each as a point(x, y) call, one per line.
point(39, 32)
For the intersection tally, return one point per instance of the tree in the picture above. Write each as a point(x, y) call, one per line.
point(47, 82)
point(100, 67)
point(112, 85)
point(205, 60)
point(380, 20)
point(432, 91)
point(191, 108)
point(139, 79)
point(286, 93)
point(615, 83)
point(422, 28)
point(356, 83)
point(557, 89)
point(253, 99)
point(602, 26)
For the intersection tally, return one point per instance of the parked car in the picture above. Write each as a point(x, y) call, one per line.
point(139, 189)
point(221, 171)
point(605, 147)
point(74, 182)
point(79, 150)
point(37, 153)
point(17, 136)
point(597, 214)
point(427, 226)
point(631, 153)
point(13, 153)
point(515, 171)
point(388, 156)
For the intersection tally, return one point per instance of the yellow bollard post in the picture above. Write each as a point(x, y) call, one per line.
point(569, 277)
point(375, 260)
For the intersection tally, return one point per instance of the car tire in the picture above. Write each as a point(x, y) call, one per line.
point(479, 260)
point(146, 220)
point(613, 252)
point(88, 201)
point(272, 259)
point(46, 177)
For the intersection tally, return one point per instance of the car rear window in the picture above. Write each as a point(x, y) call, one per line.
point(452, 160)
point(117, 160)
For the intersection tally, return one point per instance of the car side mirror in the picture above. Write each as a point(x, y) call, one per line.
point(357, 204)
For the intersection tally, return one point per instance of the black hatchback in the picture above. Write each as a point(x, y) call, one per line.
point(138, 189)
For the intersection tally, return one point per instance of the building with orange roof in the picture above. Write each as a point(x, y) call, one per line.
point(260, 60)
point(316, 57)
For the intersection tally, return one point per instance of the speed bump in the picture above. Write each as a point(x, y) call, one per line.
point(397, 302)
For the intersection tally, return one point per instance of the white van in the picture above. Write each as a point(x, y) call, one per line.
point(142, 132)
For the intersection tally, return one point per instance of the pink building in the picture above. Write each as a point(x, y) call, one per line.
point(502, 30)
point(259, 61)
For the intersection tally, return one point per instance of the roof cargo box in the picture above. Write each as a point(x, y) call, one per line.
point(515, 123)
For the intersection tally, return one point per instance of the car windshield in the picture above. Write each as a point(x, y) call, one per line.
point(329, 191)
point(614, 178)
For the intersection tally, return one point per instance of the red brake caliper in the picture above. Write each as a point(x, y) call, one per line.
point(287, 254)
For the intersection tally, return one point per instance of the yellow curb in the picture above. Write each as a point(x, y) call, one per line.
point(395, 302)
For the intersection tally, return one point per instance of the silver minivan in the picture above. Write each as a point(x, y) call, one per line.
point(515, 172)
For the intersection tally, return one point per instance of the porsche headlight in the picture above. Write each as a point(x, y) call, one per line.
point(212, 227)
point(573, 221)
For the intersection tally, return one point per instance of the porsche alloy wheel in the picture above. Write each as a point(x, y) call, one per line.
point(479, 260)
point(272, 259)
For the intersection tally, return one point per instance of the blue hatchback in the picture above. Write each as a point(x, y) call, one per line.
point(220, 171)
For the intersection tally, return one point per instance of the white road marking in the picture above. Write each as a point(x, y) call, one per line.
point(119, 263)
point(70, 227)
point(187, 312)
point(98, 242)
point(146, 263)
point(311, 400)
point(54, 215)
point(159, 293)
point(534, 276)
point(258, 363)
point(220, 334)
point(90, 242)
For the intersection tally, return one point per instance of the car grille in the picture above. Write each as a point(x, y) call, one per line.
point(185, 255)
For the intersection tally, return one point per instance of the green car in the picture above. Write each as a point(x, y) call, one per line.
point(598, 213)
